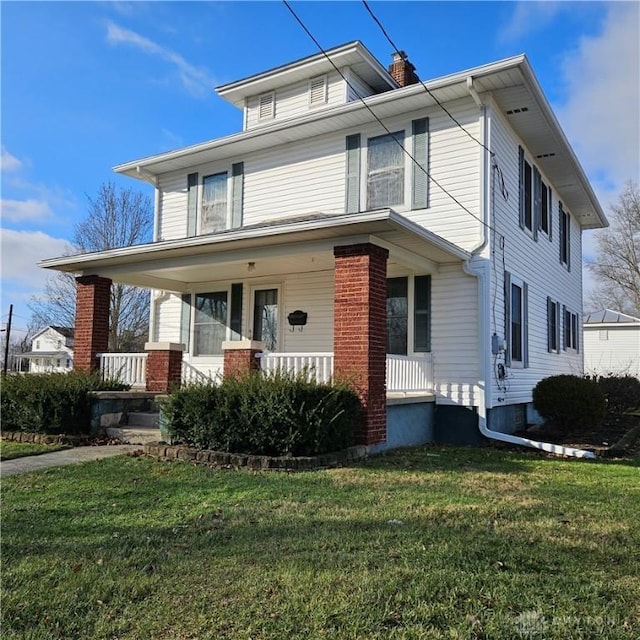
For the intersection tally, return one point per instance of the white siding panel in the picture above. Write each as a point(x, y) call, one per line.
point(535, 262)
point(612, 350)
point(313, 293)
point(172, 221)
point(454, 337)
point(357, 88)
point(168, 315)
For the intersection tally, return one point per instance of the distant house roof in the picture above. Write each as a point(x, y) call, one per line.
point(67, 332)
point(607, 316)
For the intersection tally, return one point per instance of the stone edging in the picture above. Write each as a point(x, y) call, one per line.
point(232, 460)
point(44, 438)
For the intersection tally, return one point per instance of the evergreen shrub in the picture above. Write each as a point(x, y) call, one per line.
point(276, 415)
point(50, 403)
point(622, 392)
point(569, 403)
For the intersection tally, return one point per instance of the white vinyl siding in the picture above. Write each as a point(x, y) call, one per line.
point(357, 88)
point(167, 318)
point(291, 101)
point(536, 263)
point(454, 336)
point(172, 217)
point(619, 354)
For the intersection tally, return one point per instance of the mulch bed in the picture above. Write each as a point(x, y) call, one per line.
point(617, 436)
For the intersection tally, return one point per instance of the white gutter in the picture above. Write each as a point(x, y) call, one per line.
point(481, 270)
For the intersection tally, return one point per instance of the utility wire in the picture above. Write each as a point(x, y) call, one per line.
point(384, 126)
point(424, 86)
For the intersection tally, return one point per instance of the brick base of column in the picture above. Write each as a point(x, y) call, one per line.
point(360, 332)
point(164, 366)
point(240, 357)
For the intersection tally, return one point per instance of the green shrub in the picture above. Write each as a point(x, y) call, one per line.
point(264, 415)
point(569, 403)
point(622, 392)
point(50, 403)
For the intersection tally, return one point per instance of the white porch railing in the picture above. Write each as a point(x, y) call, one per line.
point(409, 373)
point(316, 365)
point(129, 368)
point(404, 373)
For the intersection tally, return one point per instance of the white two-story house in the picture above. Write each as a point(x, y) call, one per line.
point(51, 351)
point(420, 239)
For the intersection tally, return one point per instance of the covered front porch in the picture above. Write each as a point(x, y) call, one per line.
point(344, 297)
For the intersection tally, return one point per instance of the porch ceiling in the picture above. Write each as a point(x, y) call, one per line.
point(289, 246)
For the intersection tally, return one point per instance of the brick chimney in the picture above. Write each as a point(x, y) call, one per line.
point(402, 71)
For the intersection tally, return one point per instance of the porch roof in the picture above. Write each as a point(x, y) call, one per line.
point(293, 245)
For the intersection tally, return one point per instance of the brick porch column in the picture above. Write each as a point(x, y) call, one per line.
point(91, 336)
point(240, 357)
point(164, 366)
point(360, 331)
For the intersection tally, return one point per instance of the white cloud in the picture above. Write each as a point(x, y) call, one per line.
point(25, 210)
point(529, 17)
point(195, 80)
point(22, 250)
point(601, 116)
point(8, 162)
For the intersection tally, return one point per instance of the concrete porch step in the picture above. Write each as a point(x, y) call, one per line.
point(149, 419)
point(134, 434)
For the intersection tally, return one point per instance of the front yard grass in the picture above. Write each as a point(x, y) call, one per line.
point(10, 450)
point(428, 543)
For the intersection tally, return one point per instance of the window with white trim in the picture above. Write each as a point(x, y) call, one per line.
point(210, 323)
point(516, 298)
point(565, 237)
point(553, 326)
point(221, 201)
point(385, 171)
point(570, 330)
point(213, 215)
point(403, 327)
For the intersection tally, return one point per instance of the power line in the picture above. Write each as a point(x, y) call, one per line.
point(424, 86)
point(384, 126)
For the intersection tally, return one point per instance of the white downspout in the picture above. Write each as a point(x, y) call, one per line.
point(480, 268)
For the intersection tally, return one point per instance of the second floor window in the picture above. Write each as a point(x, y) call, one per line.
point(565, 237)
point(214, 203)
point(385, 171)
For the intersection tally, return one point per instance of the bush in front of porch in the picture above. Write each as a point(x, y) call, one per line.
point(275, 415)
point(51, 403)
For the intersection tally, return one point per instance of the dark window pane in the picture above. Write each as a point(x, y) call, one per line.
point(265, 318)
point(528, 197)
point(516, 322)
point(422, 314)
point(397, 315)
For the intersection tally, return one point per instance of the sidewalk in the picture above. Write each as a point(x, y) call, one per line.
point(62, 458)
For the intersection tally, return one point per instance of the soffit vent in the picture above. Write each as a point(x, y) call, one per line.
point(546, 155)
point(518, 110)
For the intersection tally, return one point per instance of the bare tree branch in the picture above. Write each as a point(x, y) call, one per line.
point(617, 265)
point(116, 218)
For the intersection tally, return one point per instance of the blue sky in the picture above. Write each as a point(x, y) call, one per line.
point(88, 85)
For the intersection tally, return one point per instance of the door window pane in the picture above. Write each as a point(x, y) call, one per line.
point(210, 323)
point(265, 318)
point(397, 315)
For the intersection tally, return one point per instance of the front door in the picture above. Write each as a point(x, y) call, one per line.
point(265, 317)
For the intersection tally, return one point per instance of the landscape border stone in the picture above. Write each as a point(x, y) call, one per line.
point(223, 459)
point(45, 438)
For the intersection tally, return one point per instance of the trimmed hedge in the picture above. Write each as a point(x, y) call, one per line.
point(622, 392)
point(51, 403)
point(569, 403)
point(275, 415)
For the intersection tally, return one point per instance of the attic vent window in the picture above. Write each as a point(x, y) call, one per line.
point(518, 110)
point(266, 107)
point(546, 155)
point(318, 90)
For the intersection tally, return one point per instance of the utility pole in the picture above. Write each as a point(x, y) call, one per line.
point(6, 344)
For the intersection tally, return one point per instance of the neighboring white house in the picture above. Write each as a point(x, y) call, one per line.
point(611, 344)
point(51, 350)
point(466, 182)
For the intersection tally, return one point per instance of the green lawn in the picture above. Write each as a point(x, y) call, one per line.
point(10, 449)
point(428, 543)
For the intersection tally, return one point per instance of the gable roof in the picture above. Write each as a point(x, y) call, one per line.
point(66, 332)
point(511, 82)
point(607, 316)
